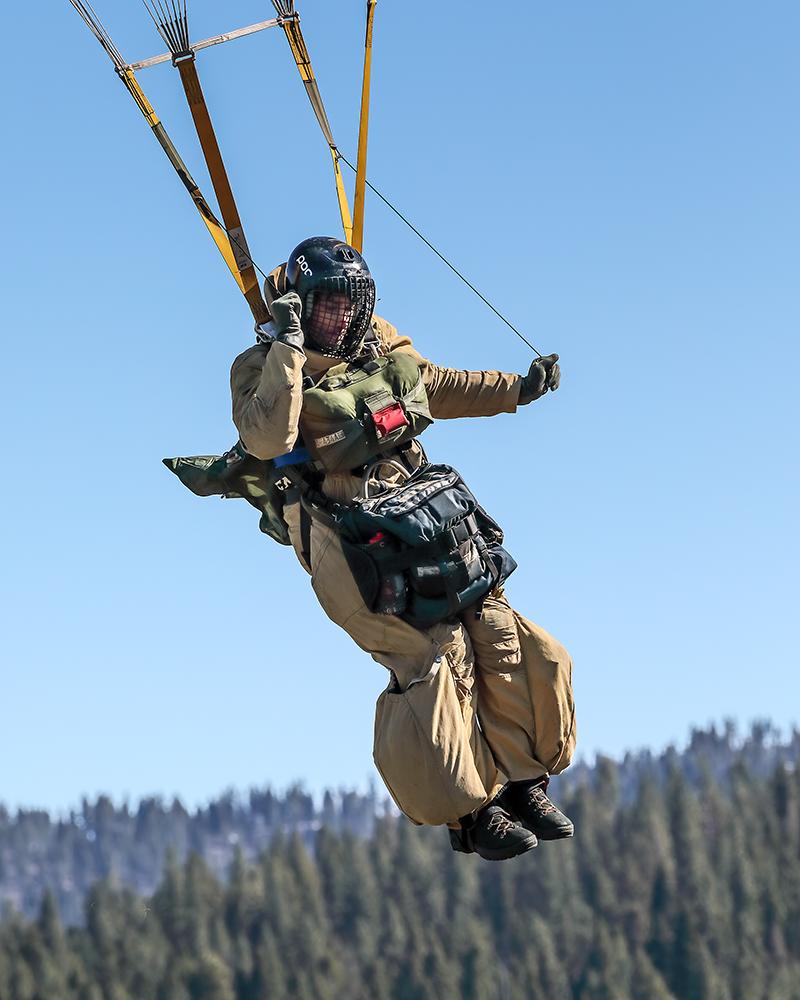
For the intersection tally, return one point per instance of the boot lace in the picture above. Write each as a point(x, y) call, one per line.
point(539, 799)
point(500, 824)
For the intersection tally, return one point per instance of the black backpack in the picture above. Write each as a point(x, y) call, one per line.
point(425, 550)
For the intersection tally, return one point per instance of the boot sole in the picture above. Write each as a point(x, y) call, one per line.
point(512, 852)
point(563, 834)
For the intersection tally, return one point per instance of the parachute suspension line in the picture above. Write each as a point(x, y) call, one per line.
point(171, 20)
point(363, 133)
point(290, 22)
point(95, 25)
point(444, 259)
point(128, 77)
point(224, 243)
point(174, 30)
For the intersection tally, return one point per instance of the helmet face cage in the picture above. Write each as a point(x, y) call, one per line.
point(336, 314)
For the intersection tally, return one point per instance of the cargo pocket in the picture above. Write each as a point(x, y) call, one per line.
point(549, 670)
point(422, 749)
point(495, 635)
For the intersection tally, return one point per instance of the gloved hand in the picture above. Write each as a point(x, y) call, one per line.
point(286, 312)
point(543, 374)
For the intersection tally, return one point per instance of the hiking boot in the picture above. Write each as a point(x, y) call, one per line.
point(493, 835)
point(528, 802)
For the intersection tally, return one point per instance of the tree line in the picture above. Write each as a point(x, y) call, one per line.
point(69, 854)
point(677, 888)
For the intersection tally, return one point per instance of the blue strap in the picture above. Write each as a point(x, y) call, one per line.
point(296, 457)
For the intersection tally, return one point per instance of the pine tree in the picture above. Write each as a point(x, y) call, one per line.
point(548, 975)
point(646, 982)
point(209, 978)
point(477, 963)
point(270, 974)
point(201, 905)
point(169, 906)
point(607, 971)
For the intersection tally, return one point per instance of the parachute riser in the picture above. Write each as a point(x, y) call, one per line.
point(224, 241)
point(175, 32)
point(294, 36)
point(363, 133)
point(131, 84)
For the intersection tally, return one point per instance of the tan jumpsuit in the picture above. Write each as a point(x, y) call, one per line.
point(446, 740)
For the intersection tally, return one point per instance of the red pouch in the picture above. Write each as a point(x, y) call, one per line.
point(389, 419)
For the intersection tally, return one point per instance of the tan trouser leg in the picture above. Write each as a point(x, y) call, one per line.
point(524, 679)
point(428, 746)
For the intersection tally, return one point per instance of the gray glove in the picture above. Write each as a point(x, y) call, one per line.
point(543, 374)
point(286, 312)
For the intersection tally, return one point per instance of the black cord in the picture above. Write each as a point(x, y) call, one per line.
point(84, 8)
point(442, 257)
point(428, 243)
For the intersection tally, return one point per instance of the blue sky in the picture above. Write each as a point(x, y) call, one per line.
point(621, 178)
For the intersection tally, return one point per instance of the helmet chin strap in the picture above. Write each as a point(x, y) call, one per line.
point(370, 346)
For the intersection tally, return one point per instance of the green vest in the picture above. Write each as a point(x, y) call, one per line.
point(353, 414)
point(356, 413)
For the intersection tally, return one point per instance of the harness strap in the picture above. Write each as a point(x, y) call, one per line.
point(451, 593)
point(305, 534)
point(318, 506)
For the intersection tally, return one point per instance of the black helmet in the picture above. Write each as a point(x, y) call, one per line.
point(337, 292)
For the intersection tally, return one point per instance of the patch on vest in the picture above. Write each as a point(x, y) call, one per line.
point(329, 439)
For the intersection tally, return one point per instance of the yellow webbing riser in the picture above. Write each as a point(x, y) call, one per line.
point(341, 195)
point(128, 77)
point(297, 44)
point(248, 279)
point(363, 134)
point(218, 234)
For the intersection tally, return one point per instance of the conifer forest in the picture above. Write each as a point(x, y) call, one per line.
point(683, 881)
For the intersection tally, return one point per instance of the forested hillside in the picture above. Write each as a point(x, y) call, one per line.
point(677, 888)
point(69, 855)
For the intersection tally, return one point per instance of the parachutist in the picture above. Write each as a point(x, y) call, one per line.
point(479, 710)
point(330, 403)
